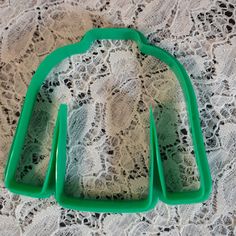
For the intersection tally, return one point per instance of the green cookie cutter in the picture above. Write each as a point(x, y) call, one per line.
point(55, 175)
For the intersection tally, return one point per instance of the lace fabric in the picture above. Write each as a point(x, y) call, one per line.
point(108, 91)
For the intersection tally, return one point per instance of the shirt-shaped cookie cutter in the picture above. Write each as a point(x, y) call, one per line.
point(55, 174)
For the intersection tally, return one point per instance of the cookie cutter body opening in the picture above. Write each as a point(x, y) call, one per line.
point(56, 170)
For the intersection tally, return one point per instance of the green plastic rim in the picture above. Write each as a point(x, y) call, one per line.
point(55, 175)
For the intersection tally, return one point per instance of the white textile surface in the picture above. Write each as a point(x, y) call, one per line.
point(109, 90)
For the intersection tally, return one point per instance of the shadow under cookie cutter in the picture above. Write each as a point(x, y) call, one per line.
point(55, 174)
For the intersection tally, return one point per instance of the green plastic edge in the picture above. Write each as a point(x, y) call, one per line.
point(157, 187)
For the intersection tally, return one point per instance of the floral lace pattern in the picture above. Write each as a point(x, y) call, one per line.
point(109, 91)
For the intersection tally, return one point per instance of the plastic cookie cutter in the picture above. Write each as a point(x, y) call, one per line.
point(55, 175)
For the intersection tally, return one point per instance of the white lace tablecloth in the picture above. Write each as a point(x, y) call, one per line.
point(108, 91)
